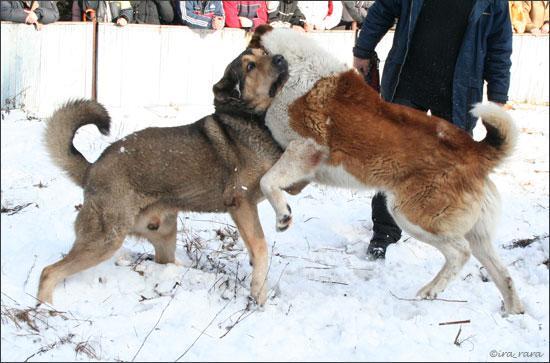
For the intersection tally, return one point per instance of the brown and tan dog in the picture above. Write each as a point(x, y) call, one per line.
point(140, 182)
point(336, 130)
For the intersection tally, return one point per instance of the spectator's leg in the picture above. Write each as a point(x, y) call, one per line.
point(385, 230)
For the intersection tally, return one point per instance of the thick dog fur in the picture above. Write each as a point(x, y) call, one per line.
point(337, 130)
point(140, 182)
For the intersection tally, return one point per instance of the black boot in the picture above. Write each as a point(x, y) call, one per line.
point(384, 228)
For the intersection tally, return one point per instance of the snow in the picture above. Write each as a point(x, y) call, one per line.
point(327, 302)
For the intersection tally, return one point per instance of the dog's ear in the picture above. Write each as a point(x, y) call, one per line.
point(256, 41)
point(228, 87)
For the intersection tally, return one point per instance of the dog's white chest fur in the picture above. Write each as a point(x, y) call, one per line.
point(308, 63)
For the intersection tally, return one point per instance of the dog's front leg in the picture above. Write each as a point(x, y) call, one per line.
point(297, 164)
point(245, 215)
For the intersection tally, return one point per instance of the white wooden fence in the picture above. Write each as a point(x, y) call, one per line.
point(151, 65)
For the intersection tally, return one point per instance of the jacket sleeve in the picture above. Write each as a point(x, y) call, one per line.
point(218, 11)
point(47, 12)
point(76, 13)
point(497, 65)
point(231, 14)
point(126, 11)
point(9, 11)
point(380, 18)
point(192, 19)
point(297, 18)
point(261, 15)
point(333, 19)
point(166, 13)
point(352, 10)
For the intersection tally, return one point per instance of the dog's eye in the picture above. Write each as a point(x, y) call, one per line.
point(250, 66)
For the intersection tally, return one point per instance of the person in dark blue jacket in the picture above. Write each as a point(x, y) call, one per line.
point(442, 52)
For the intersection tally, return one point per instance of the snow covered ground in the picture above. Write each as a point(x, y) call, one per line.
point(327, 302)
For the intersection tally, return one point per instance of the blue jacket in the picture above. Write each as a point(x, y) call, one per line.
point(483, 56)
point(194, 17)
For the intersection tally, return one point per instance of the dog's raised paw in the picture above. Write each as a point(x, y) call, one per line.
point(284, 222)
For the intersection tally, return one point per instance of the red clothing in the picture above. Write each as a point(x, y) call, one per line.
point(253, 10)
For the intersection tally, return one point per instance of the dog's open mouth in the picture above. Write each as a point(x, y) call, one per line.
point(279, 82)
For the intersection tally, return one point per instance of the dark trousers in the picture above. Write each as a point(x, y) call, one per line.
point(384, 227)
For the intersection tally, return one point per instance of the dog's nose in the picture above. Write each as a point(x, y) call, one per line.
point(278, 60)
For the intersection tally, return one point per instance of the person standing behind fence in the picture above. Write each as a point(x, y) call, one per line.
point(442, 52)
point(29, 12)
point(245, 14)
point(203, 14)
point(152, 12)
point(322, 15)
point(353, 14)
point(118, 12)
point(286, 14)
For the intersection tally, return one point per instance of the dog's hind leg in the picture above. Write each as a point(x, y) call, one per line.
point(297, 164)
point(98, 237)
point(457, 253)
point(245, 215)
point(480, 237)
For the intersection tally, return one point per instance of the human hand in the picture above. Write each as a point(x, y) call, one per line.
point(245, 22)
point(544, 28)
point(218, 22)
point(505, 106)
point(121, 21)
point(362, 65)
point(320, 27)
point(31, 18)
point(298, 28)
point(308, 27)
point(535, 31)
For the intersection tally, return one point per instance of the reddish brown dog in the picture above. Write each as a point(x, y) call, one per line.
point(336, 130)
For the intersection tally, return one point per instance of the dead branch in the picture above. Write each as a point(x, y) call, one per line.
point(457, 335)
point(330, 282)
point(248, 310)
point(418, 299)
point(29, 274)
point(524, 242)
point(202, 332)
point(64, 340)
point(455, 322)
point(16, 209)
point(176, 285)
point(305, 259)
point(84, 347)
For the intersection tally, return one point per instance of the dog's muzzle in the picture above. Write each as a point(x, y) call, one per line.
point(281, 65)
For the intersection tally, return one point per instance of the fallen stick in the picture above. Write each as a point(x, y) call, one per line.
point(418, 299)
point(330, 282)
point(455, 322)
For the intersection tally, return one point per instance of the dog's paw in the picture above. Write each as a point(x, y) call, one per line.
point(285, 220)
point(514, 309)
point(428, 292)
point(254, 304)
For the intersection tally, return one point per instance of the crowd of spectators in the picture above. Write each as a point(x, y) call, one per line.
point(215, 15)
point(526, 16)
point(529, 16)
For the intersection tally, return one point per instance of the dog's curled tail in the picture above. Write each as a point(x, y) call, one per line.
point(502, 133)
point(61, 129)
